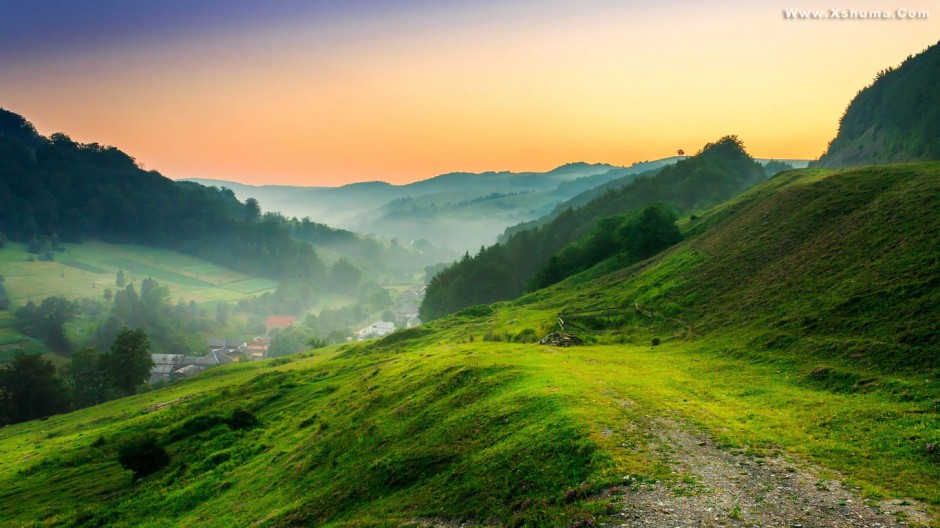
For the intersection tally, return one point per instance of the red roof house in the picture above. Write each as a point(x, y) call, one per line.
point(278, 321)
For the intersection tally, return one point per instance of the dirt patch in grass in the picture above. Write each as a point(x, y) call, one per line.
point(734, 487)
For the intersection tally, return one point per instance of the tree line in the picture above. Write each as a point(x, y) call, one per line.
point(31, 387)
point(523, 262)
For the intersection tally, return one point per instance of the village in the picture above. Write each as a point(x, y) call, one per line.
point(173, 367)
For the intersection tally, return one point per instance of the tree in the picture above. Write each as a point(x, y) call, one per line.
point(120, 280)
point(147, 285)
point(30, 389)
point(46, 321)
point(128, 361)
point(108, 331)
point(344, 276)
point(252, 210)
point(653, 232)
point(291, 340)
point(88, 377)
point(4, 300)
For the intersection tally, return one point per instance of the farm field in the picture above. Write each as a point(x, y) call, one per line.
point(86, 270)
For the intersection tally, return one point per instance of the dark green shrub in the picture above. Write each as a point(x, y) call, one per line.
point(142, 455)
point(241, 419)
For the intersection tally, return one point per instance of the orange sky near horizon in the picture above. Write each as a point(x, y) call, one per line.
point(516, 86)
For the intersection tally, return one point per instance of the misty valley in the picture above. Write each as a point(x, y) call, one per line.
point(702, 339)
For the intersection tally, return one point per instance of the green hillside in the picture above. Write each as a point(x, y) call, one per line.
point(896, 119)
point(794, 333)
point(85, 270)
point(506, 270)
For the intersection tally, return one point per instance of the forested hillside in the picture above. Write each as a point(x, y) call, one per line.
point(503, 271)
point(896, 119)
point(58, 190)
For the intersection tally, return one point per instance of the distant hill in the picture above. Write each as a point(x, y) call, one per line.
point(620, 178)
point(503, 271)
point(458, 210)
point(896, 119)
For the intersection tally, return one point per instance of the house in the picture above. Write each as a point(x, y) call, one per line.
point(255, 349)
point(213, 359)
point(169, 367)
point(375, 330)
point(164, 365)
point(187, 372)
point(412, 296)
point(226, 346)
point(278, 321)
point(407, 306)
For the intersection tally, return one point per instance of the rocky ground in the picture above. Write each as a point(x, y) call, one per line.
point(715, 487)
point(561, 339)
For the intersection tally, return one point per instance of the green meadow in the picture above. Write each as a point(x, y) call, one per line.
point(86, 270)
point(440, 426)
point(797, 320)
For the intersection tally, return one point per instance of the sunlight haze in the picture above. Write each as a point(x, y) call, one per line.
point(314, 94)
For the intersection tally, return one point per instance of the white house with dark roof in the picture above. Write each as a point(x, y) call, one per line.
point(376, 330)
point(168, 367)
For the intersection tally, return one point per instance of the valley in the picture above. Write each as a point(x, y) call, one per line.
point(371, 287)
point(468, 418)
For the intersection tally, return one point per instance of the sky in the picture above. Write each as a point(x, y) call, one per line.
point(330, 92)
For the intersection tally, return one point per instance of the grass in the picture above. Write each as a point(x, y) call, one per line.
point(486, 431)
point(251, 286)
point(85, 270)
point(460, 420)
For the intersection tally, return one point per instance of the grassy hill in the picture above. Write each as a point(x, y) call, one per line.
point(795, 323)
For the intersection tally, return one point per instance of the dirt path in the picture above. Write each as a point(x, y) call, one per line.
point(721, 488)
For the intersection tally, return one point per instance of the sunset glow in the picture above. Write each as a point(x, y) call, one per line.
point(318, 95)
